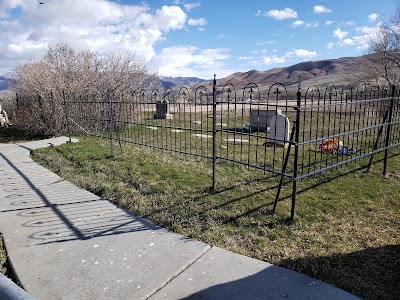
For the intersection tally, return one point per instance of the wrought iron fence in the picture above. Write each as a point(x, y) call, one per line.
point(289, 135)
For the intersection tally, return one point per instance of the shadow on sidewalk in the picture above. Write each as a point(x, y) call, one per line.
point(372, 274)
point(65, 212)
point(272, 283)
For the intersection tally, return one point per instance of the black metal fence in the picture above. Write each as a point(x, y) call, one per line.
point(289, 135)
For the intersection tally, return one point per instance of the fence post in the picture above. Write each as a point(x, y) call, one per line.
point(214, 146)
point(296, 153)
point(66, 116)
point(387, 140)
point(110, 120)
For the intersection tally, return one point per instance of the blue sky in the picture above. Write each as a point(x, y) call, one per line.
point(193, 38)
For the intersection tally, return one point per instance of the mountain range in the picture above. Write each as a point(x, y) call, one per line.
point(323, 72)
point(3, 83)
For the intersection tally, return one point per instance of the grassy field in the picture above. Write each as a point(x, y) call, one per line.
point(346, 229)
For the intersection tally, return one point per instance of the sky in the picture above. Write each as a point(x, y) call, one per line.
point(193, 38)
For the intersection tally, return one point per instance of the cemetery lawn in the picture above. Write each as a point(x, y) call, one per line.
point(347, 224)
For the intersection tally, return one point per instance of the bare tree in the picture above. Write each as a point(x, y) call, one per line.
point(383, 59)
point(42, 83)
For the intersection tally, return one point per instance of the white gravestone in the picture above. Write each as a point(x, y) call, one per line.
point(279, 131)
point(260, 119)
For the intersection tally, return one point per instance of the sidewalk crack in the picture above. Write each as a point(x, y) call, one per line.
point(179, 273)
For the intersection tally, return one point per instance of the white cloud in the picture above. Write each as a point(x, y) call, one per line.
point(348, 23)
point(221, 36)
point(197, 22)
point(320, 9)
point(329, 46)
point(286, 13)
point(340, 34)
point(297, 23)
point(99, 25)
point(263, 43)
point(269, 60)
point(300, 23)
point(354, 41)
point(362, 41)
point(191, 61)
point(301, 53)
point(262, 51)
point(315, 24)
point(190, 6)
point(295, 53)
point(363, 47)
point(329, 22)
point(245, 57)
point(372, 17)
point(366, 29)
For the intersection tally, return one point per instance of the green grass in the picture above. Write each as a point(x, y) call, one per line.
point(346, 229)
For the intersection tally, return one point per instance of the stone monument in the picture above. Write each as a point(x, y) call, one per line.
point(162, 110)
point(260, 119)
point(279, 131)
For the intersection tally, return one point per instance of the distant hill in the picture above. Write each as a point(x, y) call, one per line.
point(3, 83)
point(170, 82)
point(323, 72)
point(334, 69)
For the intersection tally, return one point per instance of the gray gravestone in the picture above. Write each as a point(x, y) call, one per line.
point(260, 119)
point(162, 110)
point(279, 130)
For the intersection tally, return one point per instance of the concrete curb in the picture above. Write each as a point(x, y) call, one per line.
point(10, 291)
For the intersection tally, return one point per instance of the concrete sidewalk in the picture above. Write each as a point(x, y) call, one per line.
point(67, 243)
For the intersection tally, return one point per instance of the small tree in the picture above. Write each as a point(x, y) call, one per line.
point(41, 84)
point(384, 50)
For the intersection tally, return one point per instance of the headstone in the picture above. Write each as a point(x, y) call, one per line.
point(162, 110)
point(279, 131)
point(260, 119)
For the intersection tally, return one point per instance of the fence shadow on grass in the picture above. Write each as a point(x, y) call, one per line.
point(372, 273)
point(311, 184)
